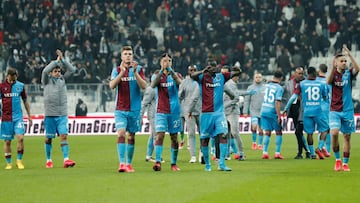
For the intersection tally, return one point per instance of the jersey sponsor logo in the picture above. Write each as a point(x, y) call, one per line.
point(312, 103)
point(341, 83)
point(166, 84)
point(212, 85)
point(13, 94)
point(128, 79)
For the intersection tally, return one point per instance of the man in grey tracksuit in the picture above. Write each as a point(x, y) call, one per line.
point(252, 106)
point(189, 95)
point(232, 113)
point(148, 104)
point(55, 106)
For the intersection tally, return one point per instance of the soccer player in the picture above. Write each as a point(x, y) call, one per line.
point(168, 110)
point(325, 108)
point(212, 117)
point(148, 105)
point(232, 113)
point(252, 105)
point(341, 116)
point(296, 113)
point(12, 92)
point(55, 106)
point(128, 79)
point(313, 93)
point(270, 114)
point(189, 95)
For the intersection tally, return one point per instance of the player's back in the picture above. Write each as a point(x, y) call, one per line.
point(273, 93)
point(313, 93)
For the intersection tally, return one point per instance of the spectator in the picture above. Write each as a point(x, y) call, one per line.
point(81, 108)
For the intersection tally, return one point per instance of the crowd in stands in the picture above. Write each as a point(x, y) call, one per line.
point(243, 32)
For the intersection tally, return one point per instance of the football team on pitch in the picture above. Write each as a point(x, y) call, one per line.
point(207, 100)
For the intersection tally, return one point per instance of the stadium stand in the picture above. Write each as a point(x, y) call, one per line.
point(253, 33)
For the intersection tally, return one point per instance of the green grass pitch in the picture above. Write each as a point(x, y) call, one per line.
point(95, 177)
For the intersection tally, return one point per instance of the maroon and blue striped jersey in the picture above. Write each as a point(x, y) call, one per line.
point(11, 96)
point(128, 92)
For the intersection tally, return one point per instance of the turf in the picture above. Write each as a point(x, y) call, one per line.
point(95, 177)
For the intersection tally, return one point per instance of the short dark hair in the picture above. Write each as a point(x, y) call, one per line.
point(211, 62)
point(311, 71)
point(339, 55)
point(11, 71)
point(226, 67)
point(323, 68)
point(278, 74)
point(165, 55)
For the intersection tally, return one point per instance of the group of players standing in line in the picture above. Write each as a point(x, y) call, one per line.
point(206, 99)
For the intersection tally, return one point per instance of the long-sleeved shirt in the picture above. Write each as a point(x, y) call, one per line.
point(252, 103)
point(189, 96)
point(148, 103)
point(231, 105)
point(55, 91)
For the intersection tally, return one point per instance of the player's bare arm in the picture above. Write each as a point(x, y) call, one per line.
point(347, 52)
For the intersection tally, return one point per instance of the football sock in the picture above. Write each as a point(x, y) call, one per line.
point(48, 150)
point(346, 157)
point(205, 152)
point(158, 152)
point(121, 152)
point(321, 144)
point(328, 142)
point(174, 155)
point(65, 149)
point(266, 144)
point(130, 152)
point(305, 144)
point(253, 136)
point(8, 157)
point(150, 146)
point(278, 143)
point(20, 154)
point(260, 140)
point(223, 153)
point(311, 148)
point(337, 155)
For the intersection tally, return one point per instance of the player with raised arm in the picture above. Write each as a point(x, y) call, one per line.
point(168, 110)
point(212, 117)
point(189, 95)
point(55, 105)
point(341, 116)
